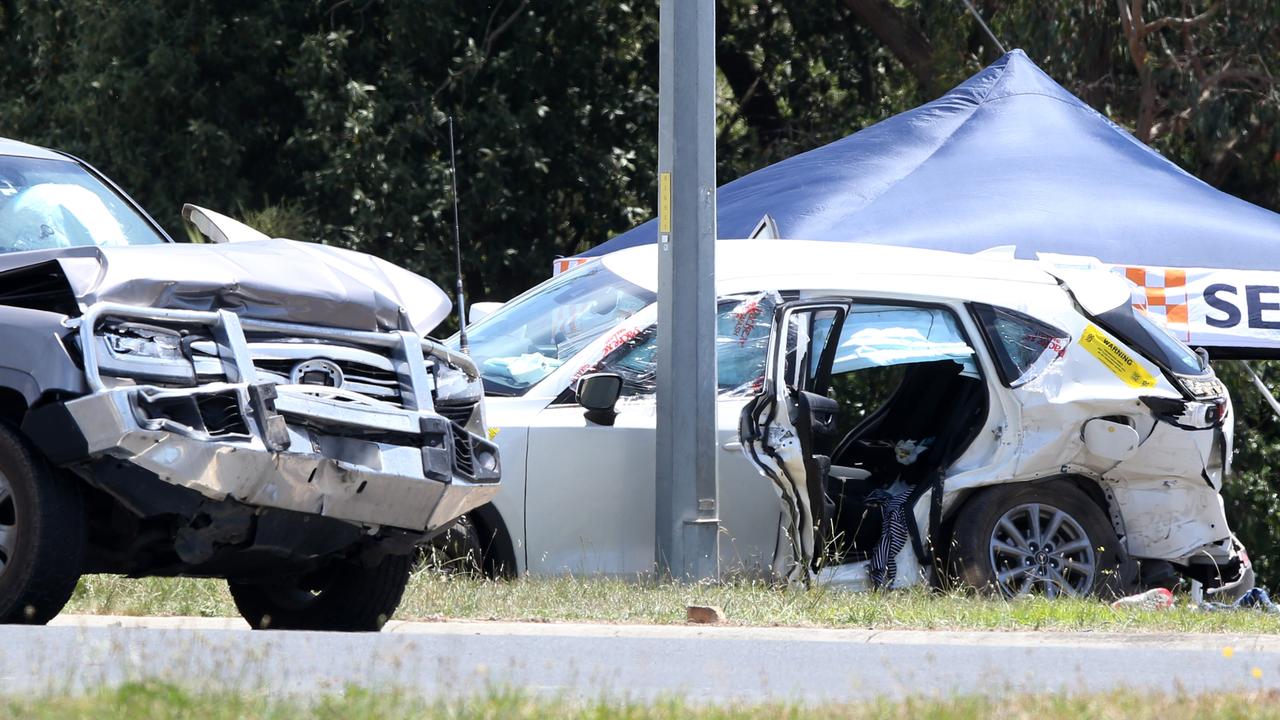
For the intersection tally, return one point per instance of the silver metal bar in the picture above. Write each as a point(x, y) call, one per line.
point(364, 337)
point(390, 419)
point(687, 518)
point(229, 331)
point(412, 369)
point(1262, 387)
point(233, 348)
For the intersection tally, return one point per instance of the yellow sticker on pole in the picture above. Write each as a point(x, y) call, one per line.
point(664, 202)
point(1117, 359)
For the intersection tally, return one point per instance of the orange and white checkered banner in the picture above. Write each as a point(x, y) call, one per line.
point(565, 264)
point(1210, 307)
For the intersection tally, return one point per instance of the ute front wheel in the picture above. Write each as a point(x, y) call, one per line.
point(42, 534)
point(345, 597)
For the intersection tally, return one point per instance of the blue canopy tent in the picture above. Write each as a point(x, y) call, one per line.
point(1010, 158)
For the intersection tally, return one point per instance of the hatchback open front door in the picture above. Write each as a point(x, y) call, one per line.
point(777, 426)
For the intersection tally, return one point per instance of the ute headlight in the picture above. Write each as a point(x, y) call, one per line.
point(143, 353)
point(455, 386)
point(157, 346)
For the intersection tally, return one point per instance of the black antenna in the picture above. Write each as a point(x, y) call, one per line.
point(457, 247)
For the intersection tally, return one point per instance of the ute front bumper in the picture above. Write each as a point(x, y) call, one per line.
point(304, 448)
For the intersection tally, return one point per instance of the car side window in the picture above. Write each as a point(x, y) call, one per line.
point(742, 341)
point(1023, 346)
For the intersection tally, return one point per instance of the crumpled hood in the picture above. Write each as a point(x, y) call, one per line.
point(282, 280)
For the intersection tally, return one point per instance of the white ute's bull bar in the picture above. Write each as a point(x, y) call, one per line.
point(308, 448)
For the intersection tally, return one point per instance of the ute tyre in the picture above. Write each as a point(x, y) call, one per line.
point(456, 551)
point(355, 598)
point(1081, 558)
point(42, 533)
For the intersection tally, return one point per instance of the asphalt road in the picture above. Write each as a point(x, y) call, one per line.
point(713, 664)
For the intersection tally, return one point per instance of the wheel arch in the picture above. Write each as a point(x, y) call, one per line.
point(498, 548)
point(13, 405)
point(1090, 488)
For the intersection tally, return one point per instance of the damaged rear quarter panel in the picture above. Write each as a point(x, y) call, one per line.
point(1167, 508)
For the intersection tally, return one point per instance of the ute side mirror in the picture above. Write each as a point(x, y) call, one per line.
point(481, 310)
point(598, 393)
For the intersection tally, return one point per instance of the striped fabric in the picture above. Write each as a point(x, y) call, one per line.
point(893, 537)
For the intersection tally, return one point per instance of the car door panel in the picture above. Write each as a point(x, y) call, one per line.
point(776, 425)
point(589, 503)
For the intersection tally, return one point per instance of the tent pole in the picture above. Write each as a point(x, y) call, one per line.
point(1262, 387)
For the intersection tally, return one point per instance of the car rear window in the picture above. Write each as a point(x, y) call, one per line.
point(1023, 346)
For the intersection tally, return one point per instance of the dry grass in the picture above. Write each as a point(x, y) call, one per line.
point(435, 596)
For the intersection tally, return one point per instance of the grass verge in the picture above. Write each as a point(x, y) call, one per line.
point(433, 596)
point(163, 701)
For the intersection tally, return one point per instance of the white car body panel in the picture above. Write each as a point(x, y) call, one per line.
point(585, 503)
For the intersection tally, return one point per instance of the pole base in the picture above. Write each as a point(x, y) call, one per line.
point(702, 549)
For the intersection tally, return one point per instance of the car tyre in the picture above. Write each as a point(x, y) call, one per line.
point(1045, 538)
point(42, 533)
point(344, 597)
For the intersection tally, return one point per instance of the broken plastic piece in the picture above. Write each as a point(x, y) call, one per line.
point(1154, 599)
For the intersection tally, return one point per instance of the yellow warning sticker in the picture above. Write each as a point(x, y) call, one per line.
point(493, 432)
point(1116, 358)
point(664, 202)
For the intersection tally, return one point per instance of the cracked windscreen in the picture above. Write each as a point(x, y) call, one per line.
point(49, 204)
point(528, 338)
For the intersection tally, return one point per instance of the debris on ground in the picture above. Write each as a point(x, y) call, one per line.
point(1153, 599)
point(704, 614)
point(1256, 599)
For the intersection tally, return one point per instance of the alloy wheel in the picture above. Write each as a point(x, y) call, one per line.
point(1039, 548)
point(8, 523)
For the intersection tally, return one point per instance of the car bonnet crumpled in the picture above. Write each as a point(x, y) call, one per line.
point(282, 280)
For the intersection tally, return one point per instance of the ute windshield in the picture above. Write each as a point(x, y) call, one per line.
point(528, 338)
point(50, 204)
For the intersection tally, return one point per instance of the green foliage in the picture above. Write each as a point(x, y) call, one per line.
point(159, 700)
point(326, 119)
point(1252, 492)
point(337, 110)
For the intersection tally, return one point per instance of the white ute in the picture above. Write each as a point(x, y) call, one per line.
point(924, 415)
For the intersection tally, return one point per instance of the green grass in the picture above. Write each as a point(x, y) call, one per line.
point(432, 596)
point(132, 702)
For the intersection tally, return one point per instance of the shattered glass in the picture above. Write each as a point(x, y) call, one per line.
point(1024, 346)
point(742, 342)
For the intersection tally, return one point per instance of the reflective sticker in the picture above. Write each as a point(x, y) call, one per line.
point(493, 432)
point(664, 202)
point(1117, 359)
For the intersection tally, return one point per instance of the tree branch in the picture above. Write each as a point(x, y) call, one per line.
point(900, 35)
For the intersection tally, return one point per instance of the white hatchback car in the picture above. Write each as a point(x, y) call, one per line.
point(923, 411)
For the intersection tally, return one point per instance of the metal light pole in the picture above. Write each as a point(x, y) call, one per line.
point(687, 499)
